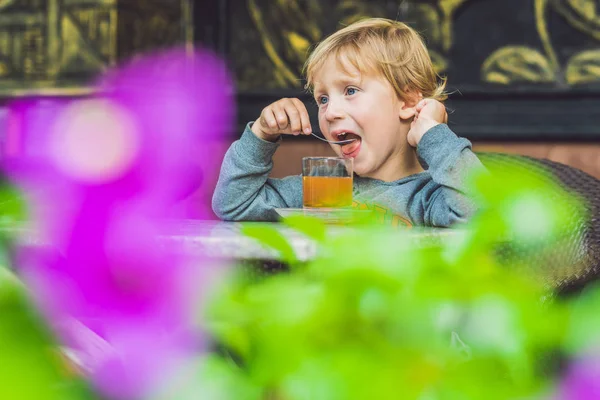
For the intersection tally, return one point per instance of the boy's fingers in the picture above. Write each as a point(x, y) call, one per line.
point(280, 116)
point(287, 115)
point(304, 118)
point(294, 117)
point(267, 119)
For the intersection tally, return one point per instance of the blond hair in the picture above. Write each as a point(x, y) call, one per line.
point(390, 48)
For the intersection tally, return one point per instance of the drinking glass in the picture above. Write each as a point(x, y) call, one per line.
point(327, 182)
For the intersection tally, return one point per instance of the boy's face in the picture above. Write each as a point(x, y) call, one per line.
point(364, 106)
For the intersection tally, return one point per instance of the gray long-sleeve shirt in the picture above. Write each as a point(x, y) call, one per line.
point(435, 197)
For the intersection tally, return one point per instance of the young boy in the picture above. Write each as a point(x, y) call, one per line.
point(373, 81)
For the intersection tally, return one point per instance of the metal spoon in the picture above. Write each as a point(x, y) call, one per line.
point(341, 142)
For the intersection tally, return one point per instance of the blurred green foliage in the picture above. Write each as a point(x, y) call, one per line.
point(13, 215)
point(32, 365)
point(376, 315)
point(379, 313)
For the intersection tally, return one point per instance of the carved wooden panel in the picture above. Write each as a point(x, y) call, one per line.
point(49, 44)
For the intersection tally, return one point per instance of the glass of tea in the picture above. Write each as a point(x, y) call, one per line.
point(327, 182)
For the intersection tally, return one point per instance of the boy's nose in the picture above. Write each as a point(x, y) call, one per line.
point(334, 111)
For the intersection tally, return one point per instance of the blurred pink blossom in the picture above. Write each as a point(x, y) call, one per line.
point(103, 175)
point(582, 380)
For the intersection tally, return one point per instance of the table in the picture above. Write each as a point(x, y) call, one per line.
point(219, 239)
point(226, 240)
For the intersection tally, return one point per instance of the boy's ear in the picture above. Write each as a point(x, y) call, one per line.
point(407, 112)
point(408, 106)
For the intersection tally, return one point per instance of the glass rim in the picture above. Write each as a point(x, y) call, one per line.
point(326, 158)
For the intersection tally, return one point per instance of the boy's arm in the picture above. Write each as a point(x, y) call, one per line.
point(244, 191)
point(450, 162)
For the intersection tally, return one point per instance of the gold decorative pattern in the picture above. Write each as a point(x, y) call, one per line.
point(57, 46)
point(288, 28)
point(582, 14)
point(520, 64)
point(584, 67)
point(447, 8)
point(514, 64)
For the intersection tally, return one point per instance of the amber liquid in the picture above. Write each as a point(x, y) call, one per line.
point(327, 191)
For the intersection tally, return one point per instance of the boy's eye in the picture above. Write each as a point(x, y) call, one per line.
point(350, 91)
point(322, 100)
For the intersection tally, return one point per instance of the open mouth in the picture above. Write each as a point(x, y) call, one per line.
point(346, 136)
point(350, 149)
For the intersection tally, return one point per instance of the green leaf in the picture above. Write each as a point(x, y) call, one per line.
point(31, 367)
point(209, 377)
point(270, 236)
point(312, 227)
point(584, 324)
point(13, 209)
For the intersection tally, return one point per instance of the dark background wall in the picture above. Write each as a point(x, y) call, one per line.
point(525, 74)
point(520, 70)
point(55, 47)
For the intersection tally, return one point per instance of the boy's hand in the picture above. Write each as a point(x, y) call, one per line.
point(285, 116)
point(428, 113)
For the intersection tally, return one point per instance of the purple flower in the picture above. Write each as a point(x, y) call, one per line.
point(103, 175)
point(582, 380)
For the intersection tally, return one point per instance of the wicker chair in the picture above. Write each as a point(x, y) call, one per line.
point(583, 247)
